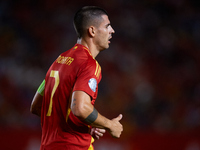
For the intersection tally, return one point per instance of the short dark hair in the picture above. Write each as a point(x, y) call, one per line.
point(87, 16)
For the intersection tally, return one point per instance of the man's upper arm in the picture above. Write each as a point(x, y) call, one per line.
point(36, 104)
point(81, 104)
point(37, 100)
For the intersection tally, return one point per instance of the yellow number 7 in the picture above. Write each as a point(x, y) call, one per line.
point(54, 74)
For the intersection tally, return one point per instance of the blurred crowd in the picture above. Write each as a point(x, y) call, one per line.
point(151, 72)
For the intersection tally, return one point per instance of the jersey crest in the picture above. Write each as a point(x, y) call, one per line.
point(92, 84)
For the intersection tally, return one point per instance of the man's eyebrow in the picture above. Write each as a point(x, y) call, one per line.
point(108, 24)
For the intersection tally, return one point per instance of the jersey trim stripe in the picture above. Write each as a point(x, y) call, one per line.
point(91, 146)
point(68, 112)
point(97, 66)
point(98, 70)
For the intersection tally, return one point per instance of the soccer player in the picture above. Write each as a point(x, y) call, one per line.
point(65, 100)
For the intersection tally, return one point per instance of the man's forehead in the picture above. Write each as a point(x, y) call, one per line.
point(105, 19)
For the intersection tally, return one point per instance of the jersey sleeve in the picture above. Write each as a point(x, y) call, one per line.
point(87, 79)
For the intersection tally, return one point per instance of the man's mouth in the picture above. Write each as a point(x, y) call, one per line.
point(109, 39)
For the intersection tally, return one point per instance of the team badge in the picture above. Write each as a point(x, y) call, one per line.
point(92, 84)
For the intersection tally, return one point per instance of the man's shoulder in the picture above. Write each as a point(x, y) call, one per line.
point(80, 55)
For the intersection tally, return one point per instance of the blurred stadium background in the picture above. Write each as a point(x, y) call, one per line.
point(151, 72)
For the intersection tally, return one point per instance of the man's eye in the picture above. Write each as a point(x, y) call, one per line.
point(107, 25)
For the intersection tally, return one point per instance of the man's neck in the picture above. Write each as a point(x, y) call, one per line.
point(92, 48)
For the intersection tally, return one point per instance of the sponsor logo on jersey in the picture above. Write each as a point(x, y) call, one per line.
point(93, 84)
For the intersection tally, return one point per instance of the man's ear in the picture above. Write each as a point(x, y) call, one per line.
point(91, 31)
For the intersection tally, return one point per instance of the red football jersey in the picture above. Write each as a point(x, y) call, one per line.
point(73, 70)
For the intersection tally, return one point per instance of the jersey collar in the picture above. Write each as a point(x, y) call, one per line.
point(84, 47)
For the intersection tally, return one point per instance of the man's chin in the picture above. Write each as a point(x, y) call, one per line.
point(105, 48)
